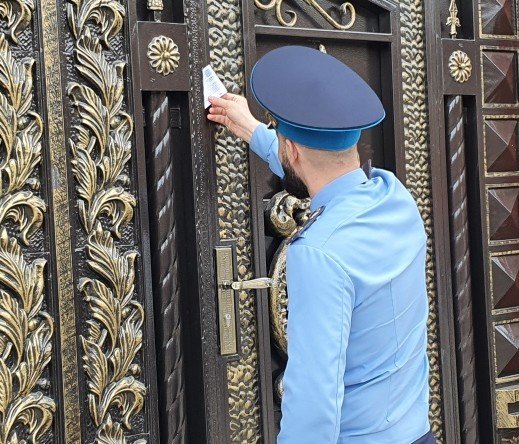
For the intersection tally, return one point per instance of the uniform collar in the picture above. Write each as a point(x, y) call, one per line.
point(339, 186)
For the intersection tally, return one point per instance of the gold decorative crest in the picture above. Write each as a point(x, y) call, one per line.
point(164, 55)
point(460, 66)
point(26, 329)
point(453, 21)
point(345, 9)
point(101, 151)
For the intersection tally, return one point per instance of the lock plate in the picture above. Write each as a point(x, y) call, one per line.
point(226, 301)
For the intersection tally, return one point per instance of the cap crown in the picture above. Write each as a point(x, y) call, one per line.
point(307, 88)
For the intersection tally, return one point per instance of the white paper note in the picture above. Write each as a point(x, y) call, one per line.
point(213, 86)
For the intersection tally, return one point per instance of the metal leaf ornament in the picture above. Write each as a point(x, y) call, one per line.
point(101, 150)
point(26, 329)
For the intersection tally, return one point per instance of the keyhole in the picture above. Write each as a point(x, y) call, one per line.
point(513, 408)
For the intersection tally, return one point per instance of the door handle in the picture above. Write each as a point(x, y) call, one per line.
point(253, 284)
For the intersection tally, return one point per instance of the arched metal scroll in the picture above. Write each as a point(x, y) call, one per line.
point(346, 9)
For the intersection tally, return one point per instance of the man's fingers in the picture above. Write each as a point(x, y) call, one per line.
point(218, 119)
point(218, 110)
point(219, 102)
point(231, 97)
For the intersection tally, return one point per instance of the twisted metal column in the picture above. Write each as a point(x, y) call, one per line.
point(461, 284)
point(165, 272)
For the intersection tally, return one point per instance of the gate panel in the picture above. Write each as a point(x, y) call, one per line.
point(101, 257)
point(234, 221)
point(112, 273)
point(479, 76)
point(498, 119)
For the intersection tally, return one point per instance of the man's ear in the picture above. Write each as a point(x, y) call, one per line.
point(292, 151)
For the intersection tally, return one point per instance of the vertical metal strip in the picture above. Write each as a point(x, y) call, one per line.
point(234, 214)
point(419, 180)
point(60, 197)
point(461, 281)
point(166, 277)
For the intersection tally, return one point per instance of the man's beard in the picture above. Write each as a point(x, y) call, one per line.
point(292, 183)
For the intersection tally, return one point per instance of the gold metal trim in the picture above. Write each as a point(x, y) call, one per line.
point(164, 55)
point(101, 151)
point(460, 66)
point(63, 250)
point(286, 213)
point(234, 222)
point(17, 17)
point(418, 180)
point(345, 9)
point(271, 120)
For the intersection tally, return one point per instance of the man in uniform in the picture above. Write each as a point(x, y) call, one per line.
point(357, 368)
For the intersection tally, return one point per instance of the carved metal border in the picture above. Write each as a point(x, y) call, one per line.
point(417, 160)
point(60, 196)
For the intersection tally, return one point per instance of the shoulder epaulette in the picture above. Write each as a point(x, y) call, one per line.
point(313, 217)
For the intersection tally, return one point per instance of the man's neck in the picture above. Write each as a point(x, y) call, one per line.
point(316, 181)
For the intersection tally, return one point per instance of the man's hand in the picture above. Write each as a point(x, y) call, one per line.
point(233, 112)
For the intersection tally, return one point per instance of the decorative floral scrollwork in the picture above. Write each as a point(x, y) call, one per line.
point(285, 213)
point(460, 66)
point(345, 9)
point(26, 329)
point(164, 55)
point(18, 14)
point(101, 151)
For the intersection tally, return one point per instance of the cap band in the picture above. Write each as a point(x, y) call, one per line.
point(318, 138)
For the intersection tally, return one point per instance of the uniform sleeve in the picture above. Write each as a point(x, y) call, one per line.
point(264, 143)
point(321, 300)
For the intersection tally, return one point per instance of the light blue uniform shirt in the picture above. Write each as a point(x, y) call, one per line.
point(357, 368)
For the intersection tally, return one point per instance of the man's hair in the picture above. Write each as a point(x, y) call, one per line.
point(323, 158)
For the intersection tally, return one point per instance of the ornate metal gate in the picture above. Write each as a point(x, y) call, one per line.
point(115, 192)
point(474, 157)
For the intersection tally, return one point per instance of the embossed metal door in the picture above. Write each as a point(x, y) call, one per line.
point(77, 360)
point(384, 42)
point(102, 129)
